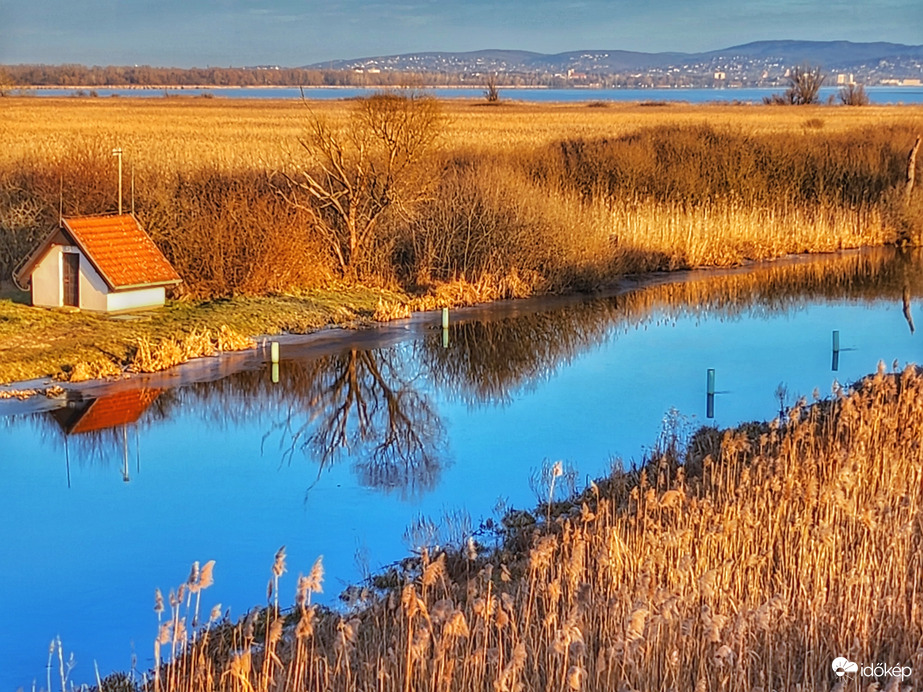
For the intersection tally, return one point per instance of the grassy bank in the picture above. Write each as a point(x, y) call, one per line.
point(743, 559)
point(76, 345)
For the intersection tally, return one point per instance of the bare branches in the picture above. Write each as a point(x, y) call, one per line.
point(853, 95)
point(491, 90)
point(804, 83)
point(363, 179)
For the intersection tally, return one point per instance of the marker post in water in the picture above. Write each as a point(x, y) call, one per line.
point(274, 357)
point(445, 327)
point(710, 394)
point(836, 350)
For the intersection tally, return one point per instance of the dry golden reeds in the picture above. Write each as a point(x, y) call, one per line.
point(197, 343)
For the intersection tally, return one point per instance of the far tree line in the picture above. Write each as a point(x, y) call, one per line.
point(804, 81)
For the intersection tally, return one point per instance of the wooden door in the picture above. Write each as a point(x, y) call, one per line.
point(72, 279)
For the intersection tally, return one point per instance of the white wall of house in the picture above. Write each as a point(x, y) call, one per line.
point(137, 299)
point(93, 290)
point(48, 286)
point(47, 289)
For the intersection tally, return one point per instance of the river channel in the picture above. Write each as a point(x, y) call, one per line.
point(372, 444)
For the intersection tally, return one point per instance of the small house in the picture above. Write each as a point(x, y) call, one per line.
point(98, 263)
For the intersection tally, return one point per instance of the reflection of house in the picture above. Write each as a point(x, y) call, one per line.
point(98, 263)
point(105, 412)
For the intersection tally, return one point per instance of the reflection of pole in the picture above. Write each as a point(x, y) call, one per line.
point(137, 450)
point(67, 462)
point(125, 476)
point(836, 351)
point(905, 299)
point(710, 394)
point(274, 357)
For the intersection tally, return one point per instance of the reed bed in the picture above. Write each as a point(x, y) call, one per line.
point(746, 559)
point(666, 236)
point(153, 357)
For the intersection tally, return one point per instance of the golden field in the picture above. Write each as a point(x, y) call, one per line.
point(173, 134)
point(561, 196)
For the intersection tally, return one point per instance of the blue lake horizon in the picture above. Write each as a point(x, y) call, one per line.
point(879, 95)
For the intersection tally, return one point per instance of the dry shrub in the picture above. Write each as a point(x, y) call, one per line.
point(230, 234)
point(229, 340)
point(490, 220)
point(700, 164)
point(387, 311)
point(172, 351)
point(77, 180)
point(93, 370)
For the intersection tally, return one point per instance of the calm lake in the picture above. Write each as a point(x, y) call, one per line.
point(878, 95)
point(372, 443)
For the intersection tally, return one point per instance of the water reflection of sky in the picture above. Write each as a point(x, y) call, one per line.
point(216, 471)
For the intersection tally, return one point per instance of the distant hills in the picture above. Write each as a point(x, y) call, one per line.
point(758, 64)
point(758, 60)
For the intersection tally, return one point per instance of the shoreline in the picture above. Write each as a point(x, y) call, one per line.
point(46, 394)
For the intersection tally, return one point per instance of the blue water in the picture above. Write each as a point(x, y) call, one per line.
point(231, 470)
point(878, 95)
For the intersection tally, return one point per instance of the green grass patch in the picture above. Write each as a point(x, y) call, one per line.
point(37, 342)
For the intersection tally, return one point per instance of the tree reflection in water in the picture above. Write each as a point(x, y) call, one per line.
point(372, 407)
point(364, 404)
point(487, 360)
point(360, 405)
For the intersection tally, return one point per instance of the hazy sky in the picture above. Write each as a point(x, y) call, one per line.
point(298, 32)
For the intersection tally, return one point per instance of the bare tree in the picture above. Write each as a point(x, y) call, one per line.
point(804, 83)
point(853, 95)
point(6, 83)
point(375, 170)
point(492, 91)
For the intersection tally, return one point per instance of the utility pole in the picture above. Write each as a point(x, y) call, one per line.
point(118, 152)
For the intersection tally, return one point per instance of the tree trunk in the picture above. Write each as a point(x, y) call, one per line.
point(912, 169)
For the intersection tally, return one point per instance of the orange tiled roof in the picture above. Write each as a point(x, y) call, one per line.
point(114, 409)
point(121, 251)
